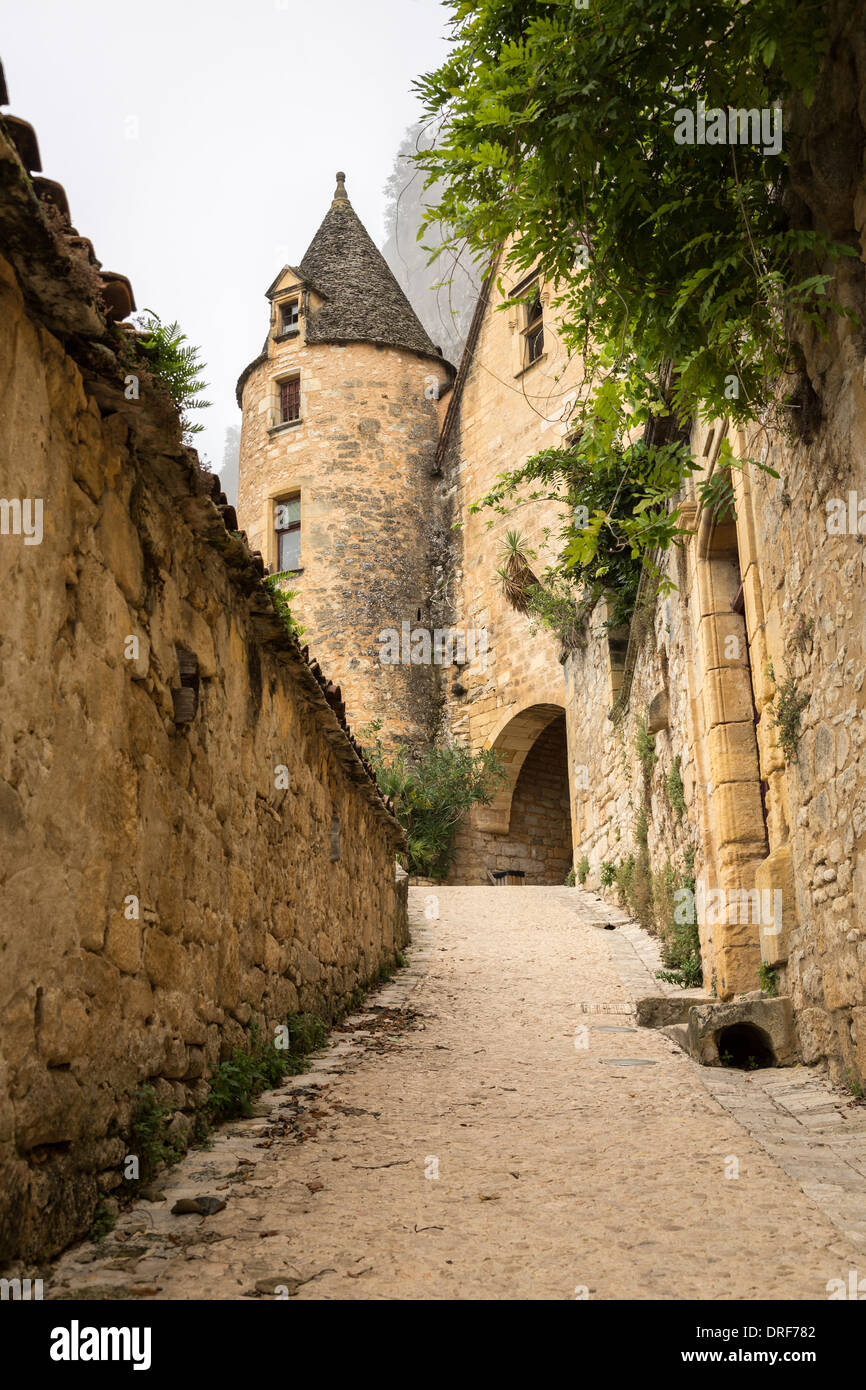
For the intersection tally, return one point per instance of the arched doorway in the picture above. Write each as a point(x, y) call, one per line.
point(527, 828)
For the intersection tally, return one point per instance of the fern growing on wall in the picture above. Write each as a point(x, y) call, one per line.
point(174, 362)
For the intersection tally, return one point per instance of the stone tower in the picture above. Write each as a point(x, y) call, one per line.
point(341, 415)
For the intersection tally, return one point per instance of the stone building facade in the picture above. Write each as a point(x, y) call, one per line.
point(715, 745)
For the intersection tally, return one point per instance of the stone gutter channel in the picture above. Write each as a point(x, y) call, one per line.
point(814, 1131)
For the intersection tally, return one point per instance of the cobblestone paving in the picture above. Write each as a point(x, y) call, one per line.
point(576, 1154)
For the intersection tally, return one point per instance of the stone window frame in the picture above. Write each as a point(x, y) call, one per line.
point(528, 327)
point(294, 494)
point(277, 381)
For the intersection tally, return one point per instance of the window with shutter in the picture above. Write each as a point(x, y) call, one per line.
point(290, 400)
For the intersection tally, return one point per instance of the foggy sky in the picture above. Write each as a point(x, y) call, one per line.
point(198, 140)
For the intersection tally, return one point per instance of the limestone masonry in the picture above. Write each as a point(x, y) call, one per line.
point(765, 613)
point(194, 846)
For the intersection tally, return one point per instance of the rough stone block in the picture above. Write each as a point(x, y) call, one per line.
point(771, 1020)
point(661, 1010)
point(727, 696)
point(776, 875)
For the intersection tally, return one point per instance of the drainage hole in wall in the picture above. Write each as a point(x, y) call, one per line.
point(745, 1046)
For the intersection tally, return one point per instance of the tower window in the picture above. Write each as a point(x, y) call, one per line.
point(289, 316)
point(287, 526)
point(290, 400)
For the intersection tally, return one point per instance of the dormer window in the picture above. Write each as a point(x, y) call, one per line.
point(289, 316)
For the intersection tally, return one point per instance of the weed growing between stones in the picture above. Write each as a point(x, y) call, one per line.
point(104, 1220)
point(583, 870)
point(607, 873)
point(681, 945)
point(645, 747)
point(244, 1075)
point(853, 1084)
point(149, 1137)
point(675, 790)
point(634, 884)
point(785, 710)
point(569, 878)
point(176, 364)
point(769, 980)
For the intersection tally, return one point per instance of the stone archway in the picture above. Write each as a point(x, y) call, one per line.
point(528, 825)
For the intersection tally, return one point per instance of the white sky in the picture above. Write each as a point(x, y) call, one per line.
point(245, 109)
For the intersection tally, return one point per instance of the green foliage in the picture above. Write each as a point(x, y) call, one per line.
point(556, 140)
point(176, 366)
point(550, 601)
point(854, 1084)
point(282, 599)
point(681, 945)
point(802, 634)
point(307, 1033)
point(104, 1221)
point(641, 828)
point(607, 874)
point(583, 870)
point(431, 795)
point(515, 571)
point(634, 884)
point(769, 980)
point(675, 790)
point(149, 1139)
point(645, 747)
point(785, 714)
point(569, 878)
point(245, 1075)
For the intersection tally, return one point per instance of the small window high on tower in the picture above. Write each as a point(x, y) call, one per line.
point(289, 316)
point(290, 400)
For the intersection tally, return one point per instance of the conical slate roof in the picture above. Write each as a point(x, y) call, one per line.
point(364, 302)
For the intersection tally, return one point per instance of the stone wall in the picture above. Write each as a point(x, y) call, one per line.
point(766, 625)
point(164, 885)
point(502, 413)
